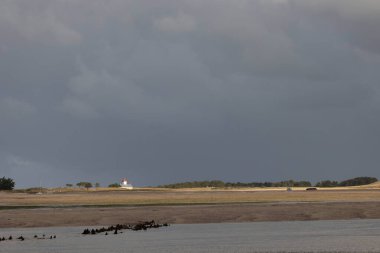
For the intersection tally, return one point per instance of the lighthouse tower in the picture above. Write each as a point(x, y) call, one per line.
point(124, 184)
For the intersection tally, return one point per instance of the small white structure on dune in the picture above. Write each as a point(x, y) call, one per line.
point(124, 184)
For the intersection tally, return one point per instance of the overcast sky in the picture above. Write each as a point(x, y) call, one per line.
point(167, 91)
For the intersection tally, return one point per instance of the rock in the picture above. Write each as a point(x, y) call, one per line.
point(86, 231)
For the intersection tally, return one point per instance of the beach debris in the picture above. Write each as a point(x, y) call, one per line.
point(22, 238)
point(144, 225)
point(7, 239)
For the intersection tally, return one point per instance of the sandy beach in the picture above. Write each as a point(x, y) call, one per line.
point(184, 206)
point(250, 212)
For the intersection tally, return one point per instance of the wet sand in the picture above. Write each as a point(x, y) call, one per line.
point(181, 214)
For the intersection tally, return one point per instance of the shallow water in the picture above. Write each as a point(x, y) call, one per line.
point(296, 236)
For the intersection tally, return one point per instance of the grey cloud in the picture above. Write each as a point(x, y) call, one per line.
point(35, 22)
point(356, 21)
point(78, 108)
point(169, 91)
point(15, 109)
point(180, 23)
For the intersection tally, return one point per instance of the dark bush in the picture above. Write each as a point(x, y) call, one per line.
point(6, 183)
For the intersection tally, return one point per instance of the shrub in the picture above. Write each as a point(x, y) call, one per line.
point(6, 183)
point(84, 184)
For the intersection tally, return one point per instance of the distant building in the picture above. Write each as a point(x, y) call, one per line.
point(124, 184)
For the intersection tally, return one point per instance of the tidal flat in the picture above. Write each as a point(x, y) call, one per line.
point(288, 236)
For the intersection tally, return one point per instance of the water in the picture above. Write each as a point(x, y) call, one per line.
point(296, 236)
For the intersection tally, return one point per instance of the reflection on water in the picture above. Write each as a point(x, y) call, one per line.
point(308, 236)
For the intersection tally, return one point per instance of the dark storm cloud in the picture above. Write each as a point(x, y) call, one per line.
point(164, 91)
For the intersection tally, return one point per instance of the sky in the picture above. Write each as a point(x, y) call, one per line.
point(169, 91)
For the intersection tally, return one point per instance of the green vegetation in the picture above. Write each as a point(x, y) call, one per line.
point(289, 183)
point(221, 184)
point(114, 185)
point(6, 183)
point(349, 182)
point(327, 183)
point(358, 181)
point(84, 184)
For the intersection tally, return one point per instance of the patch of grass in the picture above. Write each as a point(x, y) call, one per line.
point(178, 197)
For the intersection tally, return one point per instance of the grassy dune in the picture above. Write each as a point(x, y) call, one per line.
point(18, 209)
point(152, 196)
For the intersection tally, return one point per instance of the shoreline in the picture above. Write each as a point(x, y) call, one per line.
point(188, 214)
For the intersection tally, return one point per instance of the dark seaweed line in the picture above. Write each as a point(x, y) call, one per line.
point(137, 227)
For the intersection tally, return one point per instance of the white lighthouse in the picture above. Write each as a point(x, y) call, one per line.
point(124, 184)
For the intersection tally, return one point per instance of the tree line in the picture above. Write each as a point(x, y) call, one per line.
point(349, 182)
point(9, 184)
point(221, 184)
point(288, 183)
point(90, 185)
